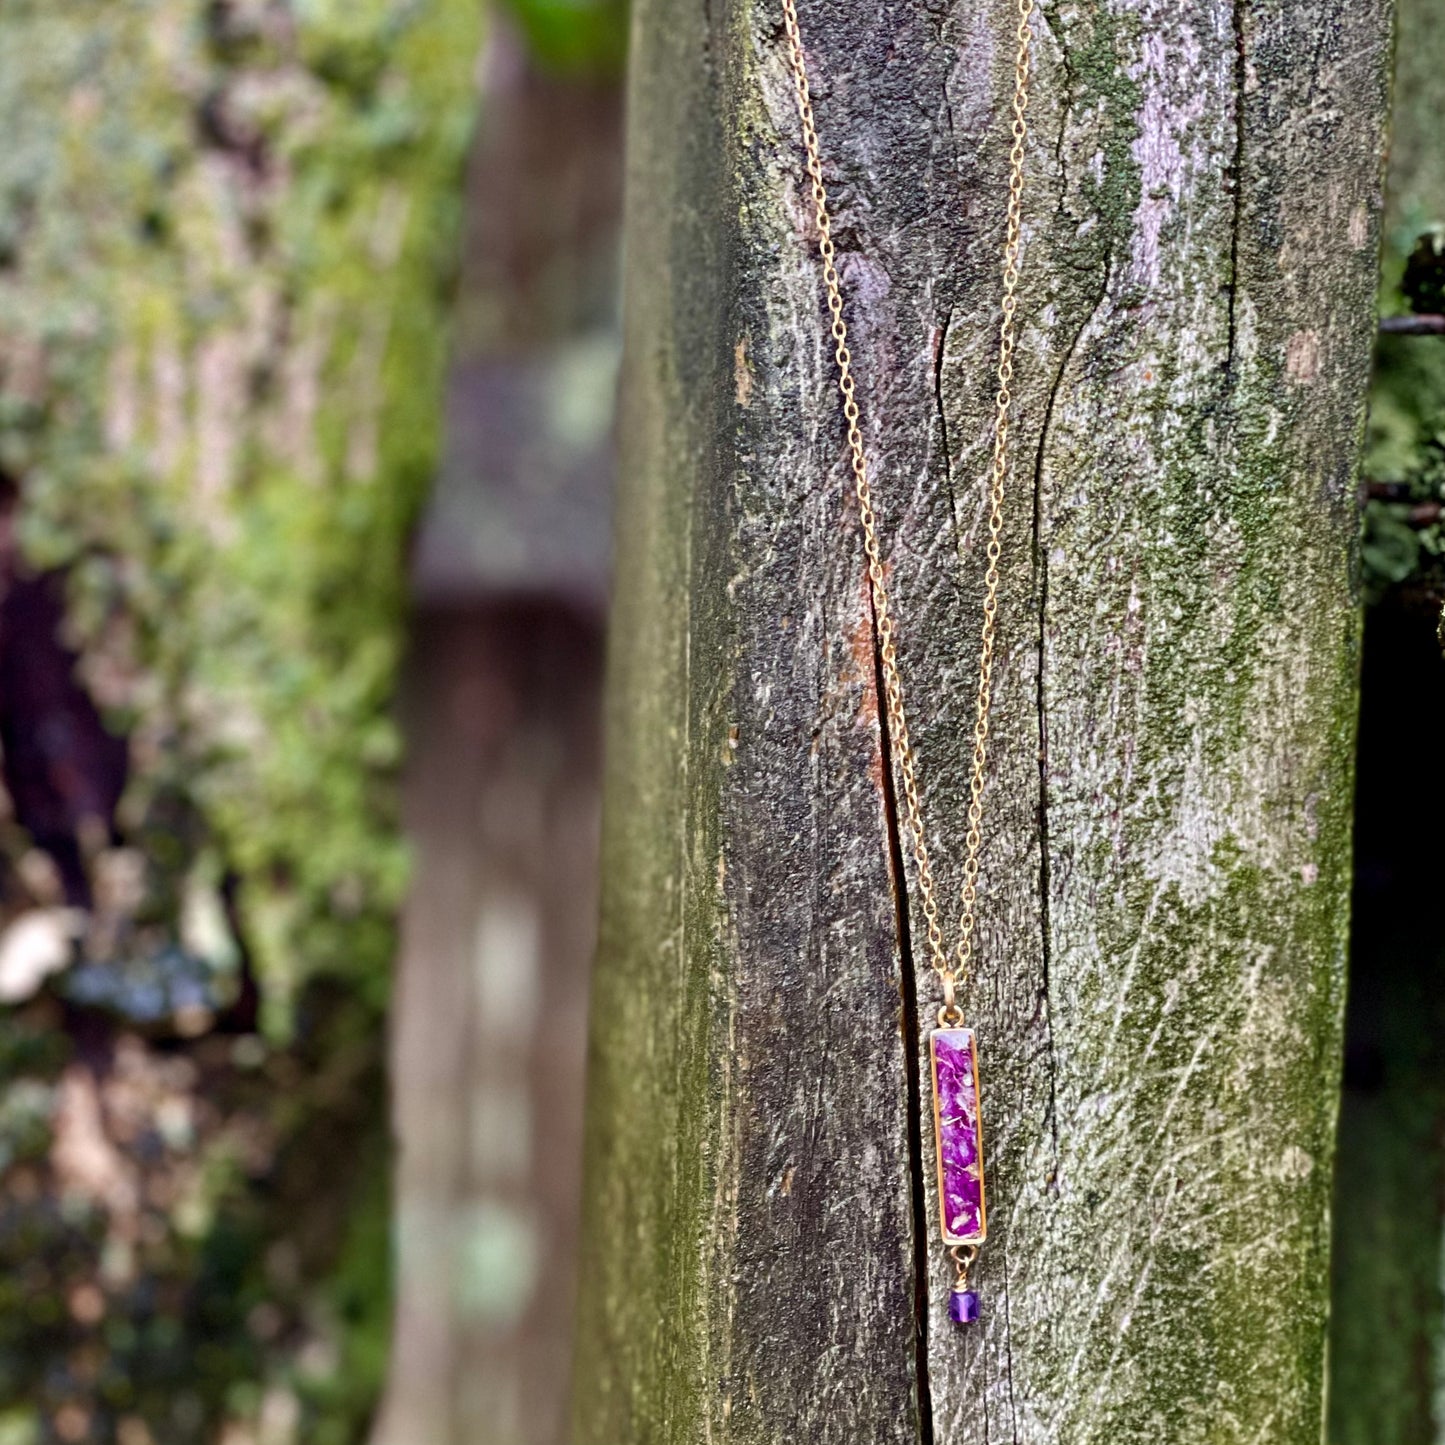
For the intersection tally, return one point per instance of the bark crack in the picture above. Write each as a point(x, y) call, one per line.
point(911, 1046)
point(943, 425)
point(1236, 175)
point(1041, 565)
point(1008, 1352)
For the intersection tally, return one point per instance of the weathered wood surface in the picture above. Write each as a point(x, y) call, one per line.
point(1166, 867)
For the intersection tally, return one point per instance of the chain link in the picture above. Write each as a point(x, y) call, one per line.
point(953, 974)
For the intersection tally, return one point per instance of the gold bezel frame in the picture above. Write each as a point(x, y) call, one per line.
point(982, 1232)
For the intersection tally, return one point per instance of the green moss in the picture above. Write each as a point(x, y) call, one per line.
point(1098, 86)
point(236, 549)
point(226, 242)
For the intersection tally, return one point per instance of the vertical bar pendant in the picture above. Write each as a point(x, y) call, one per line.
point(958, 1135)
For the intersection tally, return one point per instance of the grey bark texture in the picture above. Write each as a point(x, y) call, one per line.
point(1166, 860)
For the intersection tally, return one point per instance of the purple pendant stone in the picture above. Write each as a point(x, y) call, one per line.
point(958, 1135)
point(963, 1306)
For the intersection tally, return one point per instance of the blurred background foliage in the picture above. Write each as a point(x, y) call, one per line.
point(574, 37)
point(1387, 1347)
point(1404, 461)
point(229, 255)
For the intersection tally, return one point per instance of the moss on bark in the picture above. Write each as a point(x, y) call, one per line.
point(226, 232)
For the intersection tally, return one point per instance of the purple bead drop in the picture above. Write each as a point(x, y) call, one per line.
point(963, 1306)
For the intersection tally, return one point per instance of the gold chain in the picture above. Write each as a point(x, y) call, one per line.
point(950, 1013)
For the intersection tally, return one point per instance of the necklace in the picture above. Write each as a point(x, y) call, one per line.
point(957, 1125)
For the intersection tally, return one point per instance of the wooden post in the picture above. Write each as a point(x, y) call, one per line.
point(1166, 867)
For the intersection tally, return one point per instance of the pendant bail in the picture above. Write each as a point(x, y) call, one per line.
point(950, 1016)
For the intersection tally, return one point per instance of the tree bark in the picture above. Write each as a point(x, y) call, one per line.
point(1167, 823)
point(225, 233)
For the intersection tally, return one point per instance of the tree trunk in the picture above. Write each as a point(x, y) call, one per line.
point(490, 1023)
point(1167, 824)
point(503, 704)
point(225, 231)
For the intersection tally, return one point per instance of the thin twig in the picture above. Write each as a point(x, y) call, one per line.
point(1425, 325)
